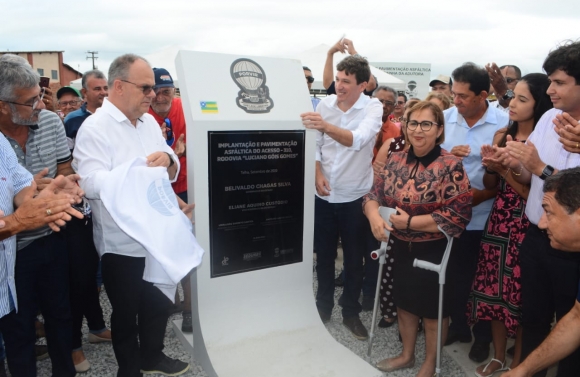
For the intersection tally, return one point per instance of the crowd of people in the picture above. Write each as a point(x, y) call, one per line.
point(489, 157)
point(470, 160)
point(56, 270)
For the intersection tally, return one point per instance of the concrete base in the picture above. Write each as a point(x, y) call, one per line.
point(186, 339)
point(308, 352)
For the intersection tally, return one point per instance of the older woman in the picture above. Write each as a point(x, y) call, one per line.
point(429, 188)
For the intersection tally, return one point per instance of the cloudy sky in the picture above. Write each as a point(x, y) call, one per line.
point(443, 33)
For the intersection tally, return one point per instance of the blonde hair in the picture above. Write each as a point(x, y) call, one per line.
point(441, 97)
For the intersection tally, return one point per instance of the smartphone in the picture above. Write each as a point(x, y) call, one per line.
point(44, 82)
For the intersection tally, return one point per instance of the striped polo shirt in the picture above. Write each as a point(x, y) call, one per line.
point(46, 147)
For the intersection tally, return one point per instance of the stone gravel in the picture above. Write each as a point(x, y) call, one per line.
point(386, 344)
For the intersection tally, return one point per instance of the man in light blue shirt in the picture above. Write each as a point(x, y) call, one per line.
point(469, 125)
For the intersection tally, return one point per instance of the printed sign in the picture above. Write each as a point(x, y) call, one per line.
point(256, 193)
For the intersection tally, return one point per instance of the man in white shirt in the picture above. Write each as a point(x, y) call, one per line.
point(348, 123)
point(549, 276)
point(120, 132)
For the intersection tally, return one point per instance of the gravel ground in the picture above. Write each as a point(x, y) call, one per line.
point(386, 344)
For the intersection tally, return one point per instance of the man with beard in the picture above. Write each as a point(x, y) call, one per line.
point(41, 273)
point(94, 90)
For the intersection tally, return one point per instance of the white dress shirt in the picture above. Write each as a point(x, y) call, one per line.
point(551, 152)
point(106, 140)
point(348, 169)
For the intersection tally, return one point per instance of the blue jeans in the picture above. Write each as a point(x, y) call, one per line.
point(346, 220)
point(42, 282)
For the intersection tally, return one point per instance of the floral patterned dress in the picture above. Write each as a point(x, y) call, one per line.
point(496, 291)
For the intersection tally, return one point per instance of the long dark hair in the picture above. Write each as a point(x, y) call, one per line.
point(538, 84)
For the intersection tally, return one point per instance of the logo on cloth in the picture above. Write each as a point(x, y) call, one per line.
point(162, 198)
point(254, 96)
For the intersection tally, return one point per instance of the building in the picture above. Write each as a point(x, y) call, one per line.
point(49, 64)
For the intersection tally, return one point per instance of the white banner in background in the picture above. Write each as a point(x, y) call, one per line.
point(415, 75)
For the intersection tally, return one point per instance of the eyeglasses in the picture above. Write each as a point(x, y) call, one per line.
point(34, 104)
point(68, 103)
point(310, 79)
point(425, 125)
point(163, 92)
point(510, 80)
point(386, 103)
point(146, 89)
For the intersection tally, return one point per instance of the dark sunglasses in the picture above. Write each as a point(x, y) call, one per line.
point(146, 89)
point(310, 79)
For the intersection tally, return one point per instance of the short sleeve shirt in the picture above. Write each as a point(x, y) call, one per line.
point(46, 147)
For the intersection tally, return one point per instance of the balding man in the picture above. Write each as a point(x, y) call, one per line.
point(120, 132)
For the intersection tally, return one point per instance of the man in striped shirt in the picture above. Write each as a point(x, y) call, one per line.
point(41, 273)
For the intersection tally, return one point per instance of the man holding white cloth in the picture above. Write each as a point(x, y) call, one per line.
point(117, 135)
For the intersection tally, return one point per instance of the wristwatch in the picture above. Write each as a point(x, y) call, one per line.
point(548, 171)
point(508, 95)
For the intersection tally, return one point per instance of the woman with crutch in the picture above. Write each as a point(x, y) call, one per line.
point(429, 188)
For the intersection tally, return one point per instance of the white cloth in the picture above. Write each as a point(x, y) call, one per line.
point(349, 169)
point(142, 203)
point(106, 140)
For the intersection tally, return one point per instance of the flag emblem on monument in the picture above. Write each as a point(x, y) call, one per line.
point(208, 107)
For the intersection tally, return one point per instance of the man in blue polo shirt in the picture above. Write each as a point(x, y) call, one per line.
point(94, 91)
point(469, 125)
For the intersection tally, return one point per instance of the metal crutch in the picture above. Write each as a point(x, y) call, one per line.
point(380, 254)
point(440, 269)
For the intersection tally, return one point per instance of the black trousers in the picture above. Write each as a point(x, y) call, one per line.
point(83, 264)
point(41, 276)
point(549, 284)
point(140, 313)
point(346, 220)
point(461, 272)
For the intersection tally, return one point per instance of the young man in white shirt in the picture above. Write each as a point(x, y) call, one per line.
point(348, 123)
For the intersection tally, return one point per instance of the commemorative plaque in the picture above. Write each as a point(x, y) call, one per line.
point(256, 199)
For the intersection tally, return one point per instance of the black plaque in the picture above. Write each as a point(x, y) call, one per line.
point(256, 199)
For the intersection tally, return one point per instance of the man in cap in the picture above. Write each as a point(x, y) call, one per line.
point(68, 99)
point(442, 84)
point(167, 110)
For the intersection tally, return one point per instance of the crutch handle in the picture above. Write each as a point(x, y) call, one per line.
point(376, 254)
point(426, 265)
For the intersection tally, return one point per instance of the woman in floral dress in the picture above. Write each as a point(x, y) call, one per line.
point(496, 288)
